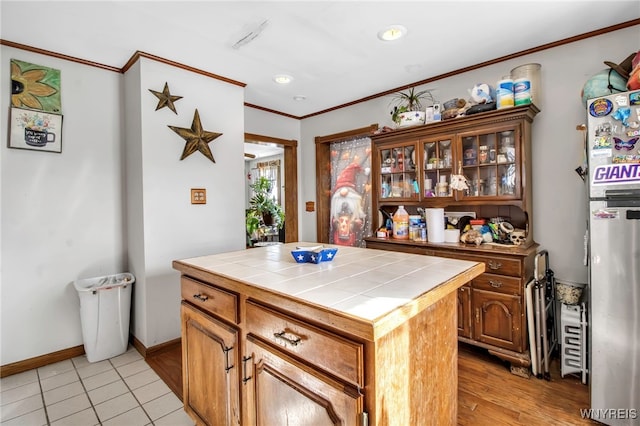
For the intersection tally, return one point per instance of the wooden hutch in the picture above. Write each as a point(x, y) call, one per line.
point(413, 167)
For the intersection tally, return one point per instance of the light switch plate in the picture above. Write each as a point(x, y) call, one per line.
point(198, 196)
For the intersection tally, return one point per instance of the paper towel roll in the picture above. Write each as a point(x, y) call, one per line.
point(435, 225)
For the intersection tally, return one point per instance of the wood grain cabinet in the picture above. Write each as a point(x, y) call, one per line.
point(284, 371)
point(254, 356)
point(464, 311)
point(210, 368)
point(413, 167)
point(296, 373)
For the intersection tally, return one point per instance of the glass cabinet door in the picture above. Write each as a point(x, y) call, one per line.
point(398, 172)
point(438, 162)
point(507, 164)
point(489, 164)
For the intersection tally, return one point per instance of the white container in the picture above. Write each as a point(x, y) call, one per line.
point(451, 235)
point(504, 93)
point(522, 91)
point(532, 73)
point(105, 303)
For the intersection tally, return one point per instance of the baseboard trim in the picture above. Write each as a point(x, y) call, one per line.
point(40, 361)
point(153, 350)
point(64, 354)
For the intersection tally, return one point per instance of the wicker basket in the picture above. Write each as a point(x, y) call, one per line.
point(568, 294)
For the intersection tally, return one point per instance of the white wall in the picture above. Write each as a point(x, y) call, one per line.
point(164, 225)
point(62, 214)
point(559, 201)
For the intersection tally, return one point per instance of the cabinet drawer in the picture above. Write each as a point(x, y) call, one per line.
point(211, 299)
point(498, 284)
point(320, 348)
point(494, 264)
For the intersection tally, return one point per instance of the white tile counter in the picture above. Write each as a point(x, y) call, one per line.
point(362, 283)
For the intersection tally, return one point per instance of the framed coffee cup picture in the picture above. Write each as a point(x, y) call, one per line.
point(35, 130)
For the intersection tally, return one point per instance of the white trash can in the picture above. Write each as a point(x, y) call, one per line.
point(105, 303)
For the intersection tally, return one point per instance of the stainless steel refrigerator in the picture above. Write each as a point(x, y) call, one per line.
point(613, 149)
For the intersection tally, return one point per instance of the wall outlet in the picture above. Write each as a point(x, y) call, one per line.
point(198, 196)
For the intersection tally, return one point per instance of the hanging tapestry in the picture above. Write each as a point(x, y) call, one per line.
point(350, 192)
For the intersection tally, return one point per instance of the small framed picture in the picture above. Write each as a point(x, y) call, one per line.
point(35, 130)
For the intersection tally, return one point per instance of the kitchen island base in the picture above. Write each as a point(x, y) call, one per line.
point(285, 358)
point(491, 308)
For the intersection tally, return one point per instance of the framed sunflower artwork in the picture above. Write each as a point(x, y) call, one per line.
point(35, 87)
point(35, 130)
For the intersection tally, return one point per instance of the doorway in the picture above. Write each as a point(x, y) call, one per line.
point(290, 177)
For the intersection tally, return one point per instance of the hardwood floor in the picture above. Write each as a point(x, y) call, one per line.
point(168, 365)
point(488, 394)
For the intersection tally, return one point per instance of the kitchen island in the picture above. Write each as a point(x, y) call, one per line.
point(367, 338)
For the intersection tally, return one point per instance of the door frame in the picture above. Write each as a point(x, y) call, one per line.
point(290, 178)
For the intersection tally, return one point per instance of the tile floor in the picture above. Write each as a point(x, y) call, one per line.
point(122, 391)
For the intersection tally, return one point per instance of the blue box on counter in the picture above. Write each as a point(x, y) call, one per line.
point(315, 254)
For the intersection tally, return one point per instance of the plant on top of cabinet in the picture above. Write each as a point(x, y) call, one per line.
point(407, 107)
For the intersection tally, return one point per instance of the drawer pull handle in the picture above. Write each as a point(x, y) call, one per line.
point(495, 284)
point(293, 341)
point(245, 378)
point(478, 315)
point(494, 265)
point(201, 297)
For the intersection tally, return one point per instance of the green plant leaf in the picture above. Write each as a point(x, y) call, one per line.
point(411, 100)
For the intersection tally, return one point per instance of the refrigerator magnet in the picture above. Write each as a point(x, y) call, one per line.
point(605, 214)
point(622, 101)
point(622, 114)
point(628, 145)
point(600, 107)
point(601, 142)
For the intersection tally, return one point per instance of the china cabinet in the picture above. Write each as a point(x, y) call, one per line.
point(413, 167)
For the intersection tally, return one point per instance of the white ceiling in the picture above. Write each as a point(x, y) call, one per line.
point(330, 48)
point(261, 150)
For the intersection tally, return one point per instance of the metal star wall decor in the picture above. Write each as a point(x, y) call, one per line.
point(166, 99)
point(196, 137)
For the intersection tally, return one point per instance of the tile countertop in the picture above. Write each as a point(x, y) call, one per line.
point(363, 283)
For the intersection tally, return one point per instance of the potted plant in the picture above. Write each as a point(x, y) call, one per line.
point(263, 205)
point(407, 107)
point(252, 221)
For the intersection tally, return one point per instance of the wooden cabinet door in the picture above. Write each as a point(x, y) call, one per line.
point(281, 391)
point(209, 369)
point(464, 312)
point(497, 319)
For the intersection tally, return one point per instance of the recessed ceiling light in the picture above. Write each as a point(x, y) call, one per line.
point(392, 32)
point(282, 78)
point(299, 98)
